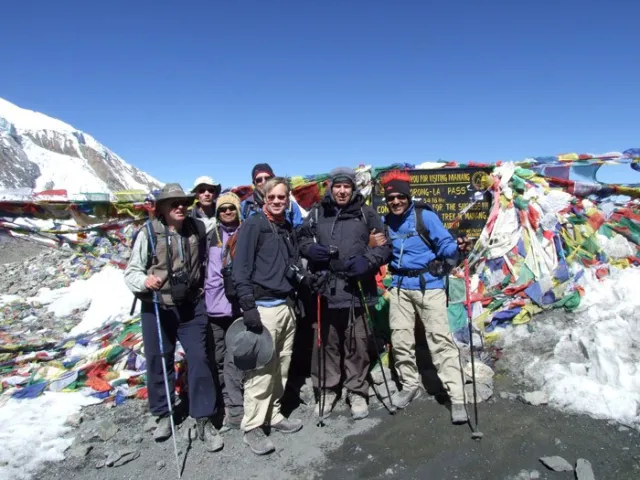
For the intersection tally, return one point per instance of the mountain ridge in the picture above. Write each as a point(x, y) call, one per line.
point(39, 152)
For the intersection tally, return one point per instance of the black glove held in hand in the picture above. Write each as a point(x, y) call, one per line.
point(252, 320)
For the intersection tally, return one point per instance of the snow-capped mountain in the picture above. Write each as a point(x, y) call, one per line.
point(43, 153)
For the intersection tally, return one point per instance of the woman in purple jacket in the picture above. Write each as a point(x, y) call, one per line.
point(221, 309)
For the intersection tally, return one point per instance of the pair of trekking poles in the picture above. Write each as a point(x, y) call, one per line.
point(370, 336)
point(476, 434)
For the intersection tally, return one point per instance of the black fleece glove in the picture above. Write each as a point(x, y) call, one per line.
point(252, 320)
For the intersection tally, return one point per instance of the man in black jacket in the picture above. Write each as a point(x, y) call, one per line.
point(265, 278)
point(335, 239)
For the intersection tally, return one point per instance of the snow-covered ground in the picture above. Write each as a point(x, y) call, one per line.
point(32, 432)
point(588, 361)
point(104, 295)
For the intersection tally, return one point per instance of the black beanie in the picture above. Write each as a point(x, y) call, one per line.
point(397, 183)
point(261, 168)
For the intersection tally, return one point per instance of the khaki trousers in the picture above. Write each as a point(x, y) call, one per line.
point(264, 386)
point(431, 307)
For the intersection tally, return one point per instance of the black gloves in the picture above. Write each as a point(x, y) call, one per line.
point(252, 320)
point(357, 266)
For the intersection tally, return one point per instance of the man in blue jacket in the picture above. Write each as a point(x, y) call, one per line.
point(260, 173)
point(419, 255)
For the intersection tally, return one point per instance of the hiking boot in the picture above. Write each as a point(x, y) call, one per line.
point(328, 400)
point(258, 441)
point(209, 435)
point(359, 407)
point(403, 398)
point(459, 413)
point(163, 429)
point(288, 425)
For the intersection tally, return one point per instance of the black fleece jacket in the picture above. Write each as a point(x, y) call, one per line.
point(264, 252)
point(348, 229)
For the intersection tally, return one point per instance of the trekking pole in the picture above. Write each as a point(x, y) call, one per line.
point(476, 434)
point(156, 301)
point(166, 382)
point(391, 408)
point(320, 376)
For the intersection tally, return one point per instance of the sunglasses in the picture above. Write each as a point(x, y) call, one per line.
point(228, 208)
point(391, 198)
point(211, 190)
point(262, 179)
point(179, 203)
point(271, 198)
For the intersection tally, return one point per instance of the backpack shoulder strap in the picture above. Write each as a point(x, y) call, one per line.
point(152, 241)
point(420, 226)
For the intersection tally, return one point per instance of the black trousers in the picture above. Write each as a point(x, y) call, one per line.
point(187, 323)
point(344, 350)
point(230, 377)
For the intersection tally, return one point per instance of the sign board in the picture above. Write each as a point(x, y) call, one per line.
point(449, 191)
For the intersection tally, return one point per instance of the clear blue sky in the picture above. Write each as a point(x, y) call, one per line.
point(182, 89)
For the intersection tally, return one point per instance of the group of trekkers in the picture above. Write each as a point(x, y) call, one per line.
point(243, 286)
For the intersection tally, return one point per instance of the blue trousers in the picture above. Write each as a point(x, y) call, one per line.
point(187, 323)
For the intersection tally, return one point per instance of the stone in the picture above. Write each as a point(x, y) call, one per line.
point(100, 464)
point(556, 463)
point(13, 290)
point(534, 474)
point(106, 430)
point(508, 396)
point(622, 428)
point(523, 475)
point(160, 464)
point(483, 392)
point(584, 470)
point(112, 457)
point(535, 398)
point(80, 451)
point(137, 438)
point(126, 458)
point(74, 420)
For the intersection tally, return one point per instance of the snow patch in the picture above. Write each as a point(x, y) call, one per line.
point(33, 432)
point(587, 362)
point(104, 294)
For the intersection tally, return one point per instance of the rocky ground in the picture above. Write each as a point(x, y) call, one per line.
point(17, 250)
point(115, 442)
point(419, 442)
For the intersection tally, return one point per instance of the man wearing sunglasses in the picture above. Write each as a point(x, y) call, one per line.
point(422, 248)
point(166, 268)
point(255, 202)
point(266, 276)
point(206, 191)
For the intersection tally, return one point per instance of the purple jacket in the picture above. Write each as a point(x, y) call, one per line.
point(216, 301)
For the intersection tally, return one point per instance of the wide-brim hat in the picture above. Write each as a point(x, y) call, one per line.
point(204, 180)
point(172, 191)
point(249, 350)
